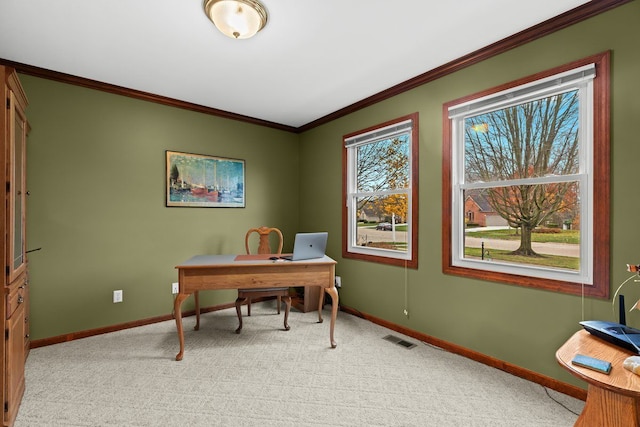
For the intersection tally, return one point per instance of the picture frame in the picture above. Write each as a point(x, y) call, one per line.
point(200, 180)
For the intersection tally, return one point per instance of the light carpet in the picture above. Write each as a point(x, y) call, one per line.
point(269, 377)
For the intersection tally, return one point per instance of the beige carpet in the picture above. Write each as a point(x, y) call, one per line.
point(269, 377)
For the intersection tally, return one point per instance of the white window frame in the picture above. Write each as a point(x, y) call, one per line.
point(580, 79)
point(589, 76)
point(406, 125)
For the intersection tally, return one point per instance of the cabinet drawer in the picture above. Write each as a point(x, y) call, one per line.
point(17, 294)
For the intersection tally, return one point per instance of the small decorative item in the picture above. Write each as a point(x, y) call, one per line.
point(632, 363)
point(197, 180)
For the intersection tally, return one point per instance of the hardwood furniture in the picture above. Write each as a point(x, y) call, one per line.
point(612, 400)
point(207, 272)
point(306, 298)
point(15, 308)
point(245, 295)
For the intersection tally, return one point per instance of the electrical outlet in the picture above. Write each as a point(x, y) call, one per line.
point(117, 296)
point(338, 282)
point(175, 288)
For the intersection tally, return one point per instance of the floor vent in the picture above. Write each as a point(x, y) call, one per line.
point(399, 341)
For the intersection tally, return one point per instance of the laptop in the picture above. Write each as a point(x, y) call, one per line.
point(308, 246)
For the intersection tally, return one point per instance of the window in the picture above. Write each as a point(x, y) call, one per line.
point(380, 187)
point(526, 181)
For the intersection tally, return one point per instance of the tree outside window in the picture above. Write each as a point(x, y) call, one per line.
point(528, 161)
point(380, 183)
point(527, 141)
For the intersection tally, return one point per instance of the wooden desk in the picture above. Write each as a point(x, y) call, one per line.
point(209, 272)
point(612, 400)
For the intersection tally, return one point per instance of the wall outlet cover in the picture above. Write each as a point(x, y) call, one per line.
point(117, 296)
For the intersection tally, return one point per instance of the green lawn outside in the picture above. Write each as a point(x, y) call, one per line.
point(561, 236)
point(553, 261)
point(373, 225)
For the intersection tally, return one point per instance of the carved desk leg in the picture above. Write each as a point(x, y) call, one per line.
point(239, 313)
point(320, 304)
point(177, 309)
point(334, 312)
point(196, 296)
point(287, 302)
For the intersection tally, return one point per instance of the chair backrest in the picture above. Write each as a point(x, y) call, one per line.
point(264, 246)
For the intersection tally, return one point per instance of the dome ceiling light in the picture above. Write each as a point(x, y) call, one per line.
point(238, 19)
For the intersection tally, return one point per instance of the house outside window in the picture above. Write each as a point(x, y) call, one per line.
point(480, 212)
point(380, 184)
point(527, 161)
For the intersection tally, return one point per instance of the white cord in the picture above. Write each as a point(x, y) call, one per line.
point(582, 300)
point(406, 290)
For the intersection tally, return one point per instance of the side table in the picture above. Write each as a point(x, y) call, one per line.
point(612, 400)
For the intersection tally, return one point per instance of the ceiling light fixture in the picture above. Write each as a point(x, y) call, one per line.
point(238, 19)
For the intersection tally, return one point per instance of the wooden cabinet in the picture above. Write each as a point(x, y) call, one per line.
point(305, 298)
point(15, 310)
point(15, 355)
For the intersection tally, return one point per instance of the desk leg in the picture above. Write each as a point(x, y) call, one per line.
point(196, 296)
point(287, 302)
point(320, 304)
point(334, 312)
point(605, 408)
point(177, 309)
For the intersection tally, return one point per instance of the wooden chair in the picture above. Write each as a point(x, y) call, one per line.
point(264, 247)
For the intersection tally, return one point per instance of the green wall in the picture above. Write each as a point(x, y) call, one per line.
point(515, 324)
point(96, 176)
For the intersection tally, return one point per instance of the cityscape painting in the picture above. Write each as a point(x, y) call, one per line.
point(196, 180)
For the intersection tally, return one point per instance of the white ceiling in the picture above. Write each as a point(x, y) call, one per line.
point(313, 58)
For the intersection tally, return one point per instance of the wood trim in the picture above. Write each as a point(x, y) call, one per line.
point(526, 374)
point(18, 91)
point(573, 16)
point(601, 192)
point(5, 73)
point(415, 179)
point(602, 174)
point(127, 325)
point(518, 371)
point(137, 94)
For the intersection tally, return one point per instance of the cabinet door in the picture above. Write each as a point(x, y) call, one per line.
point(14, 348)
point(16, 187)
point(26, 311)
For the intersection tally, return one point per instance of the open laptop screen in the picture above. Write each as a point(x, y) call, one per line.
point(309, 246)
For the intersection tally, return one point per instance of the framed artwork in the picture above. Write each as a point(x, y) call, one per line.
point(197, 180)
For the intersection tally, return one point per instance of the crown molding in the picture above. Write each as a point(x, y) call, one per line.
point(573, 16)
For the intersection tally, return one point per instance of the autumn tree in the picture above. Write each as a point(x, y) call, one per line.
point(531, 140)
point(384, 166)
point(394, 205)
